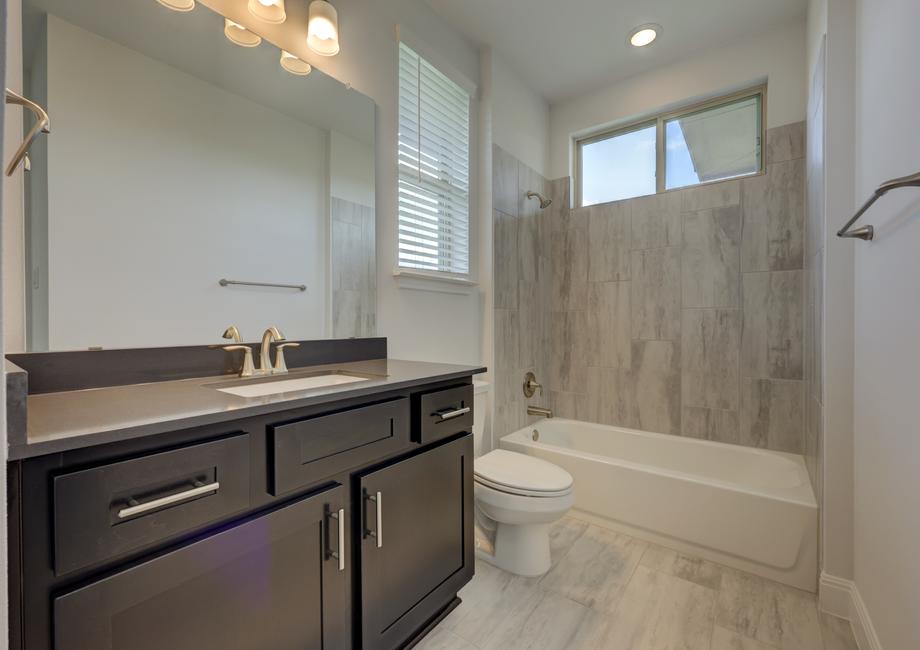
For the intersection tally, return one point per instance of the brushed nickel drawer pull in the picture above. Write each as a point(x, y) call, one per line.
point(449, 415)
point(130, 511)
point(339, 553)
point(378, 533)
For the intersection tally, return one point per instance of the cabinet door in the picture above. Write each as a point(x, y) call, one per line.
point(270, 582)
point(417, 541)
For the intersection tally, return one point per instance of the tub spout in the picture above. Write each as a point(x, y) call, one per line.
point(542, 412)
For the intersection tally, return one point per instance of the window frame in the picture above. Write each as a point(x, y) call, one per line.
point(412, 273)
point(659, 120)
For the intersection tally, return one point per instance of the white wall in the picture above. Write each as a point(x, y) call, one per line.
point(520, 118)
point(351, 169)
point(777, 56)
point(835, 20)
point(11, 42)
point(887, 351)
point(243, 196)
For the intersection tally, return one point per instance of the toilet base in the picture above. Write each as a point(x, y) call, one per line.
point(521, 549)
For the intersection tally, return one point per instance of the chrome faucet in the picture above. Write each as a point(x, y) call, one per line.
point(265, 361)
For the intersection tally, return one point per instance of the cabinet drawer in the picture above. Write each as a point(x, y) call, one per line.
point(106, 511)
point(306, 451)
point(442, 413)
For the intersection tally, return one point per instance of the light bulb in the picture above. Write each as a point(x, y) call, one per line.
point(323, 28)
point(271, 11)
point(644, 35)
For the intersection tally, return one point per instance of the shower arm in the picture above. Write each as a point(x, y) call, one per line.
point(42, 124)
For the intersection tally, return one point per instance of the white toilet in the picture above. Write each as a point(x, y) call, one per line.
point(517, 498)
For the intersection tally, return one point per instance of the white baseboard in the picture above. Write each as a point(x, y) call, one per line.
point(841, 598)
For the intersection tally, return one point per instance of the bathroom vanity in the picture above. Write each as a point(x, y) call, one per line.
point(329, 518)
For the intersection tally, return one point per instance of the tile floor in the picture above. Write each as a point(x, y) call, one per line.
point(608, 591)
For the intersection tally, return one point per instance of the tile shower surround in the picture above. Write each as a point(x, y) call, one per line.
point(679, 313)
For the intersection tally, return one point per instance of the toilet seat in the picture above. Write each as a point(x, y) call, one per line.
point(522, 475)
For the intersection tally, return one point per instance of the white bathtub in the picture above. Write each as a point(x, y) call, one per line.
point(752, 509)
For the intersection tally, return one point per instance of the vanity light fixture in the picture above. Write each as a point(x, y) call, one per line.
point(271, 11)
point(323, 28)
point(294, 64)
point(178, 5)
point(644, 34)
point(240, 35)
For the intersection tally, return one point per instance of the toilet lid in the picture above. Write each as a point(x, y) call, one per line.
point(521, 474)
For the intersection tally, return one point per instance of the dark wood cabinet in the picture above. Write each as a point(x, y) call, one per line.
point(416, 546)
point(268, 582)
point(331, 527)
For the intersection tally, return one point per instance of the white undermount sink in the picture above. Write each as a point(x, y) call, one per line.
point(291, 385)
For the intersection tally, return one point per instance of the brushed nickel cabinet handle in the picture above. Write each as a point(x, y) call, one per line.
point(339, 553)
point(378, 503)
point(449, 415)
point(130, 511)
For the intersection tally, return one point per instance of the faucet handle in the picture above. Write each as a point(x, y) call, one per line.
point(232, 333)
point(280, 364)
point(248, 369)
point(531, 385)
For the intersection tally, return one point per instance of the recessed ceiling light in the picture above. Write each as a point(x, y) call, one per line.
point(644, 34)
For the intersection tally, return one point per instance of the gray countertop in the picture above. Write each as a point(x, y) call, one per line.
point(82, 418)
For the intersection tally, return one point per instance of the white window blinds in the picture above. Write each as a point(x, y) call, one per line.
point(434, 168)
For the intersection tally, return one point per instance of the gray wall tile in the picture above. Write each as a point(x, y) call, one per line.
point(774, 218)
point(568, 358)
point(558, 213)
point(656, 374)
point(773, 325)
point(612, 397)
point(710, 354)
point(772, 414)
point(569, 269)
point(608, 241)
point(714, 195)
point(655, 220)
point(506, 260)
point(711, 258)
point(507, 355)
point(711, 424)
point(785, 142)
point(609, 324)
point(655, 293)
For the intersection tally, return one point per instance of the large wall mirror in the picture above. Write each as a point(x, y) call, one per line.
point(178, 159)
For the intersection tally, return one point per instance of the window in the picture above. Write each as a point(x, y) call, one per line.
point(712, 142)
point(434, 169)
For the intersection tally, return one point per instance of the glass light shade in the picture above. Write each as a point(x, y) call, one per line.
point(323, 28)
point(240, 35)
point(178, 5)
point(271, 11)
point(294, 64)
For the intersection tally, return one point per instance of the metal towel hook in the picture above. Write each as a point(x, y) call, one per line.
point(42, 124)
point(868, 232)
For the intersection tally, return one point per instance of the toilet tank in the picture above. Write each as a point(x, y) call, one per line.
point(480, 409)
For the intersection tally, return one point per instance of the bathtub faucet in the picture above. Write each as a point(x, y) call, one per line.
point(542, 412)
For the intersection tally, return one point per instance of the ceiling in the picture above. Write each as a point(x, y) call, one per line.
point(562, 48)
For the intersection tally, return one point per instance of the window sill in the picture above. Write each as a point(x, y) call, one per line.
point(436, 282)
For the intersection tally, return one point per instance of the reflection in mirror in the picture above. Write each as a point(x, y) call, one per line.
point(178, 159)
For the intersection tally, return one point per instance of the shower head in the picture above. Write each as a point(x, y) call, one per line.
point(544, 202)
